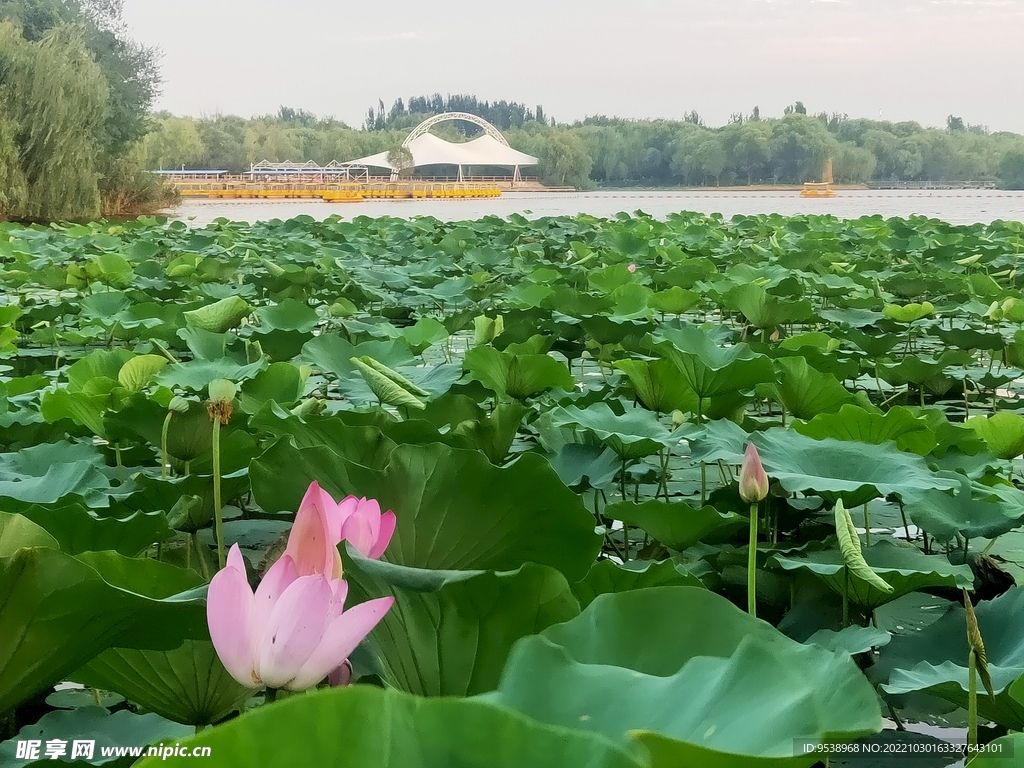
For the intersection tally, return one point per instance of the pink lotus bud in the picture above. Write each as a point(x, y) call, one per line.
point(322, 523)
point(753, 479)
point(293, 632)
point(775, 335)
point(632, 268)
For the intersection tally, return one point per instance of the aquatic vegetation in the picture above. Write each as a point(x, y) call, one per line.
point(519, 473)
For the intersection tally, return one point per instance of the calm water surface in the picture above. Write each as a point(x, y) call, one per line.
point(956, 206)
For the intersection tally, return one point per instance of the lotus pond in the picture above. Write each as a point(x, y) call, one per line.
point(584, 569)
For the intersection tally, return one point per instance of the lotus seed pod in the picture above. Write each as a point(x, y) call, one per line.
point(178, 404)
point(222, 391)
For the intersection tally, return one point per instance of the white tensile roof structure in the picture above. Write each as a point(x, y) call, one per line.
point(491, 149)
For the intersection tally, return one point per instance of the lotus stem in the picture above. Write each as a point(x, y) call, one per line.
point(752, 564)
point(622, 480)
point(120, 466)
point(203, 569)
point(270, 696)
point(703, 483)
point(846, 596)
point(164, 459)
point(867, 524)
point(972, 702)
point(218, 517)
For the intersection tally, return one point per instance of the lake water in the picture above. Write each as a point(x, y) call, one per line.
point(956, 206)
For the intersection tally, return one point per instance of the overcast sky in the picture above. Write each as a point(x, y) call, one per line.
point(908, 59)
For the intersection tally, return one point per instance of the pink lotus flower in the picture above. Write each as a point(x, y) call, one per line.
point(632, 268)
point(293, 632)
point(322, 523)
point(753, 479)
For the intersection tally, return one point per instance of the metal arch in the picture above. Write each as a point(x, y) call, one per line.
point(430, 122)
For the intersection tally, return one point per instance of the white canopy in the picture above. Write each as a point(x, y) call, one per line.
point(428, 149)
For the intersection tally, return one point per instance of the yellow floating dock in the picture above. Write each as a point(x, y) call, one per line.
point(335, 193)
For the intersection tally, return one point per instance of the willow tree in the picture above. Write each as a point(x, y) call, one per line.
point(54, 100)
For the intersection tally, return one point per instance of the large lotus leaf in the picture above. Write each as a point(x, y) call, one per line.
point(764, 310)
point(674, 301)
point(449, 632)
point(48, 472)
point(857, 472)
point(391, 729)
point(187, 684)
point(139, 371)
point(78, 529)
point(100, 364)
point(806, 392)
point(676, 525)
point(852, 640)
point(633, 435)
point(455, 509)
point(976, 510)
point(58, 611)
point(607, 576)
point(709, 369)
point(517, 376)
point(921, 369)
point(903, 566)
point(1002, 432)
point(333, 354)
point(999, 752)
point(704, 685)
point(80, 407)
point(195, 375)
point(281, 382)
point(659, 385)
point(935, 659)
point(364, 444)
point(909, 313)
point(120, 729)
point(855, 423)
point(288, 315)
point(581, 466)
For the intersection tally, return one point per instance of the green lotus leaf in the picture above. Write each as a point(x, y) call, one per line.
point(607, 576)
point(407, 731)
point(727, 690)
point(659, 385)
point(499, 519)
point(764, 310)
point(709, 369)
point(1002, 432)
point(976, 510)
point(633, 435)
point(391, 390)
point(78, 529)
point(482, 614)
point(100, 364)
point(999, 752)
point(852, 640)
point(921, 369)
point(196, 375)
point(581, 466)
point(120, 729)
point(678, 526)
point(288, 315)
point(58, 611)
point(674, 301)
point(281, 382)
point(852, 422)
point(187, 684)
point(908, 313)
point(903, 567)
point(83, 409)
point(220, 316)
point(139, 371)
point(516, 376)
point(49, 472)
point(333, 354)
point(856, 472)
point(806, 392)
point(935, 659)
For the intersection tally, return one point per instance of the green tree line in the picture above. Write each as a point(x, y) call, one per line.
point(750, 149)
point(75, 95)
